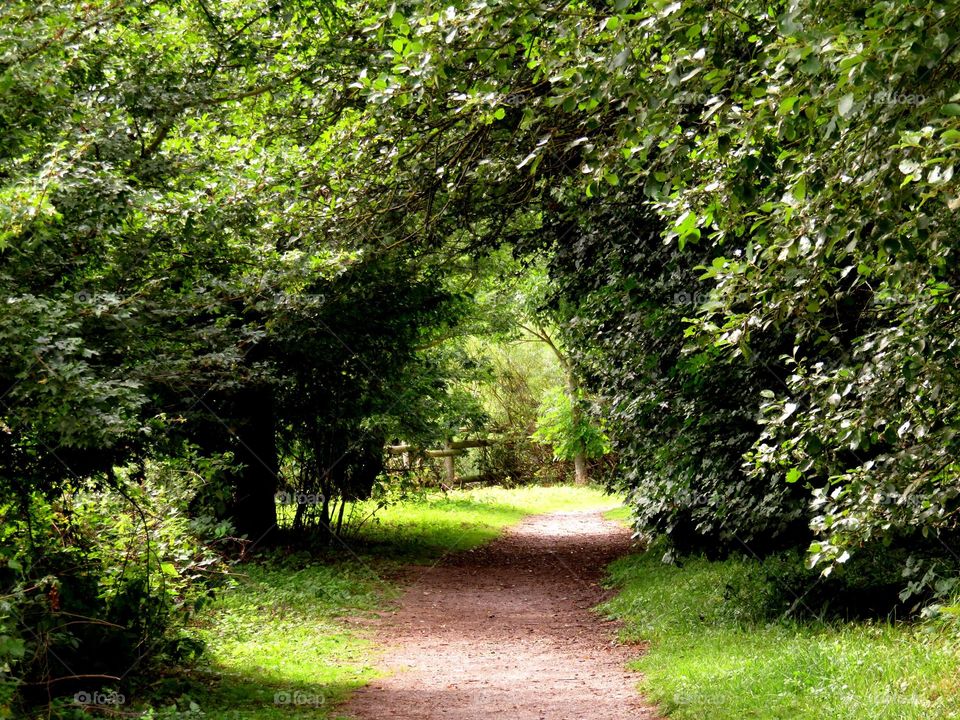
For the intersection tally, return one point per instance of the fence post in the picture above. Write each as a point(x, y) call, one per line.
point(450, 464)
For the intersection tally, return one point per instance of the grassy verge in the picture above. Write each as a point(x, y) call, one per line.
point(621, 514)
point(709, 658)
point(278, 644)
point(421, 530)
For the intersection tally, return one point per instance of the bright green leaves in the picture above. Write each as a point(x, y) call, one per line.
point(787, 104)
point(798, 193)
point(776, 148)
point(812, 157)
point(568, 431)
point(399, 22)
point(686, 229)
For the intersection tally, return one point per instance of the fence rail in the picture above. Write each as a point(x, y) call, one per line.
point(449, 452)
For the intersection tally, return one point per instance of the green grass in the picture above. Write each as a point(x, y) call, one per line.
point(708, 658)
point(621, 514)
point(421, 530)
point(277, 647)
point(280, 634)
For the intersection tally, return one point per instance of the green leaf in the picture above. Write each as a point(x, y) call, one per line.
point(845, 105)
point(692, 236)
point(799, 191)
point(787, 105)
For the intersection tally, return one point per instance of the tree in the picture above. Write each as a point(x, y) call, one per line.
point(808, 150)
point(166, 225)
point(564, 425)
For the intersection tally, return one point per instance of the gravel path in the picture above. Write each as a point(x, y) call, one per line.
point(506, 630)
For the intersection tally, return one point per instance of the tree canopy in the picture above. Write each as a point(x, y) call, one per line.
point(248, 242)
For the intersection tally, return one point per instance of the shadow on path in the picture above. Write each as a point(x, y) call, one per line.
point(508, 629)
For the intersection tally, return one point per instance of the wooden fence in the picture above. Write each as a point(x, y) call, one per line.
point(449, 452)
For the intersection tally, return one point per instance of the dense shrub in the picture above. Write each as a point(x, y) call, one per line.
point(870, 585)
point(99, 582)
point(680, 419)
point(804, 155)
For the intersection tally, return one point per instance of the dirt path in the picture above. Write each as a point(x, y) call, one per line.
point(506, 631)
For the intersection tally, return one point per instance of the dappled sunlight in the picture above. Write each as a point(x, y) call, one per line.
point(309, 304)
point(509, 628)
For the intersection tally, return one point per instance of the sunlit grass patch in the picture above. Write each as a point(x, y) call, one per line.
point(709, 658)
point(621, 514)
point(279, 647)
point(434, 524)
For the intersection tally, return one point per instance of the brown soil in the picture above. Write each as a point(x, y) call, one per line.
point(507, 630)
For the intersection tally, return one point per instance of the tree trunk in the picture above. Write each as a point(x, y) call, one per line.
point(255, 447)
point(343, 504)
point(325, 528)
point(580, 475)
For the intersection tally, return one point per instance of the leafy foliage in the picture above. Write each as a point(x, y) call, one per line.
point(807, 153)
point(566, 432)
point(252, 235)
point(104, 579)
point(680, 419)
point(173, 285)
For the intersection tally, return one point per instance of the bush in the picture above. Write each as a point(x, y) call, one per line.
point(680, 420)
point(566, 431)
point(101, 580)
point(869, 585)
